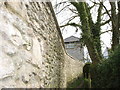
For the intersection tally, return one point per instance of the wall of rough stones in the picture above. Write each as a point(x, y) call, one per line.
point(73, 68)
point(32, 53)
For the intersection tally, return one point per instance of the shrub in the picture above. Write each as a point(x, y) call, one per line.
point(107, 73)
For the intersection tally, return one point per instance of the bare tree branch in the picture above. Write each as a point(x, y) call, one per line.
point(92, 6)
point(57, 5)
point(105, 32)
point(105, 22)
point(73, 10)
point(71, 24)
point(72, 18)
point(63, 9)
point(106, 10)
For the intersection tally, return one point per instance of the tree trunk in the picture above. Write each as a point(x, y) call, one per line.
point(88, 39)
point(115, 30)
point(96, 31)
point(92, 51)
point(119, 21)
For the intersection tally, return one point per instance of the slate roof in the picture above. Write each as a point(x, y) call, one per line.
point(71, 39)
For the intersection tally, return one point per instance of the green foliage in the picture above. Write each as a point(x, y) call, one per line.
point(79, 82)
point(87, 83)
point(75, 83)
point(107, 73)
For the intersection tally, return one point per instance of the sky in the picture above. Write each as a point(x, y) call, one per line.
point(62, 19)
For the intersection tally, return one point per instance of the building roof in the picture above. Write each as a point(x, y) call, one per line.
point(71, 39)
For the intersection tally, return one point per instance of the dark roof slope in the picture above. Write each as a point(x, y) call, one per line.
point(71, 39)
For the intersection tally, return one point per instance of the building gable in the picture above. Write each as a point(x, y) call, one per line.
point(71, 39)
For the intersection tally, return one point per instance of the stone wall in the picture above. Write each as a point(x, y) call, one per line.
point(32, 53)
point(73, 68)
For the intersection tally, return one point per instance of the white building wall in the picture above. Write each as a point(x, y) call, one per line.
point(75, 51)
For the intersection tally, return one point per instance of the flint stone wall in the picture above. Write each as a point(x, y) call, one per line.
point(32, 53)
